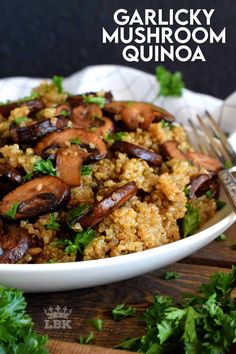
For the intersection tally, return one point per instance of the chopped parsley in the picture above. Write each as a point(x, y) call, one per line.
point(99, 100)
point(45, 167)
point(57, 81)
point(221, 237)
point(11, 213)
point(52, 261)
point(27, 177)
point(86, 340)
point(228, 164)
point(85, 170)
point(191, 221)
point(81, 240)
point(209, 194)
point(16, 327)
point(97, 324)
point(220, 204)
point(169, 275)
point(20, 120)
point(120, 311)
point(64, 113)
point(171, 84)
point(52, 224)
point(116, 137)
point(203, 323)
point(186, 191)
point(165, 124)
point(74, 214)
point(75, 141)
point(33, 96)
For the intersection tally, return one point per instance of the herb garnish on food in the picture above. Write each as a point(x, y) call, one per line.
point(20, 120)
point(52, 223)
point(171, 84)
point(191, 221)
point(57, 81)
point(120, 311)
point(11, 213)
point(86, 170)
point(220, 204)
point(45, 166)
point(99, 100)
point(16, 327)
point(202, 324)
point(78, 243)
point(75, 141)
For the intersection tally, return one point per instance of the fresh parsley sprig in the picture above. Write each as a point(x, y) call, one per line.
point(52, 223)
point(99, 100)
point(57, 81)
point(121, 311)
point(171, 84)
point(191, 221)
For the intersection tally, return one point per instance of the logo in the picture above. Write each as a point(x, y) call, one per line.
point(57, 317)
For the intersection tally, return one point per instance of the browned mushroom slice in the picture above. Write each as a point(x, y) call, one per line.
point(103, 208)
point(170, 150)
point(33, 105)
point(77, 100)
point(9, 173)
point(68, 165)
point(37, 130)
point(35, 198)
point(14, 243)
point(137, 151)
point(89, 117)
point(95, 146)
point(205, 161)
point(137, 114)
point(203, 183)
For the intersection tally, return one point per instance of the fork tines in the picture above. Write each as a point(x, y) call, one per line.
point(216, 140)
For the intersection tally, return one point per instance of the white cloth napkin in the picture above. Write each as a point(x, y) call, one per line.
point(131, 84)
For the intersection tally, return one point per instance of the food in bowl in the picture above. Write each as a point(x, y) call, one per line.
point(85, 177)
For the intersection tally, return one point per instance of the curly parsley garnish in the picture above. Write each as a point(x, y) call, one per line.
point(57, 81)
point(52, 223)
point(120, 311)
point(99, 100)
point(45, 167)
point(11, 213)
point(171, 84)
point(203, 323)
point(191, 221)
point(16, 327)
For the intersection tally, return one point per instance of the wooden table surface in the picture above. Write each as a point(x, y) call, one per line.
point(99, 301)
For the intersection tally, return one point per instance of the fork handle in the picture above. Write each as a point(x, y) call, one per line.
point(229, 184)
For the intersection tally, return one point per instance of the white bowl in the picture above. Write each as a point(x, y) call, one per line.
point(76, 275)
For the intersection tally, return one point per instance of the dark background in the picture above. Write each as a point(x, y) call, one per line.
point(40, 38)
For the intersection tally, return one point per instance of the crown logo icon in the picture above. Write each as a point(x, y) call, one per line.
point(57, 312)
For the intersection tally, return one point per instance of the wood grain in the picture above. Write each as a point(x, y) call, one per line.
point(98, 302)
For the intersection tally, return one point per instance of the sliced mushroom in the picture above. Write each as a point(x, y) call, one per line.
point(37, 130)
point(103, 208)
point(36, 197)
point(137, 114)
point(95, 146)
point(197, 183)
point(33, 105)
point(63, 108)
point(77, 100)
point(202, 160)
point(137, 151)
point(203, 183)
point(68, 165)
point(170, 150)
point(9, 173)
point(14, 243)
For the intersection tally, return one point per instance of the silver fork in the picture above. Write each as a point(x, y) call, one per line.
point(216, 144)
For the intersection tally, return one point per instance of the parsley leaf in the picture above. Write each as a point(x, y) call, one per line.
point(203, 323)
point(11, 213)
point(74, 214)
point(75, 141)
point(228, 164)
point(169, 275)
point(220, 204)
point(191, 221)
point(170, 84)
point(27, 177)
point(99, 100)
point(117, 137)
point(165, 124)
point(52, 224)
point(57, 81)
point(97, 324)
point(86, 340)
point(64, 113)
point(45, 166)
point(209, 194)
point(20, 120)
point(120, 311)
point(86, 170)
point(78, 243)
point(16, 327)
point(221, 237)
